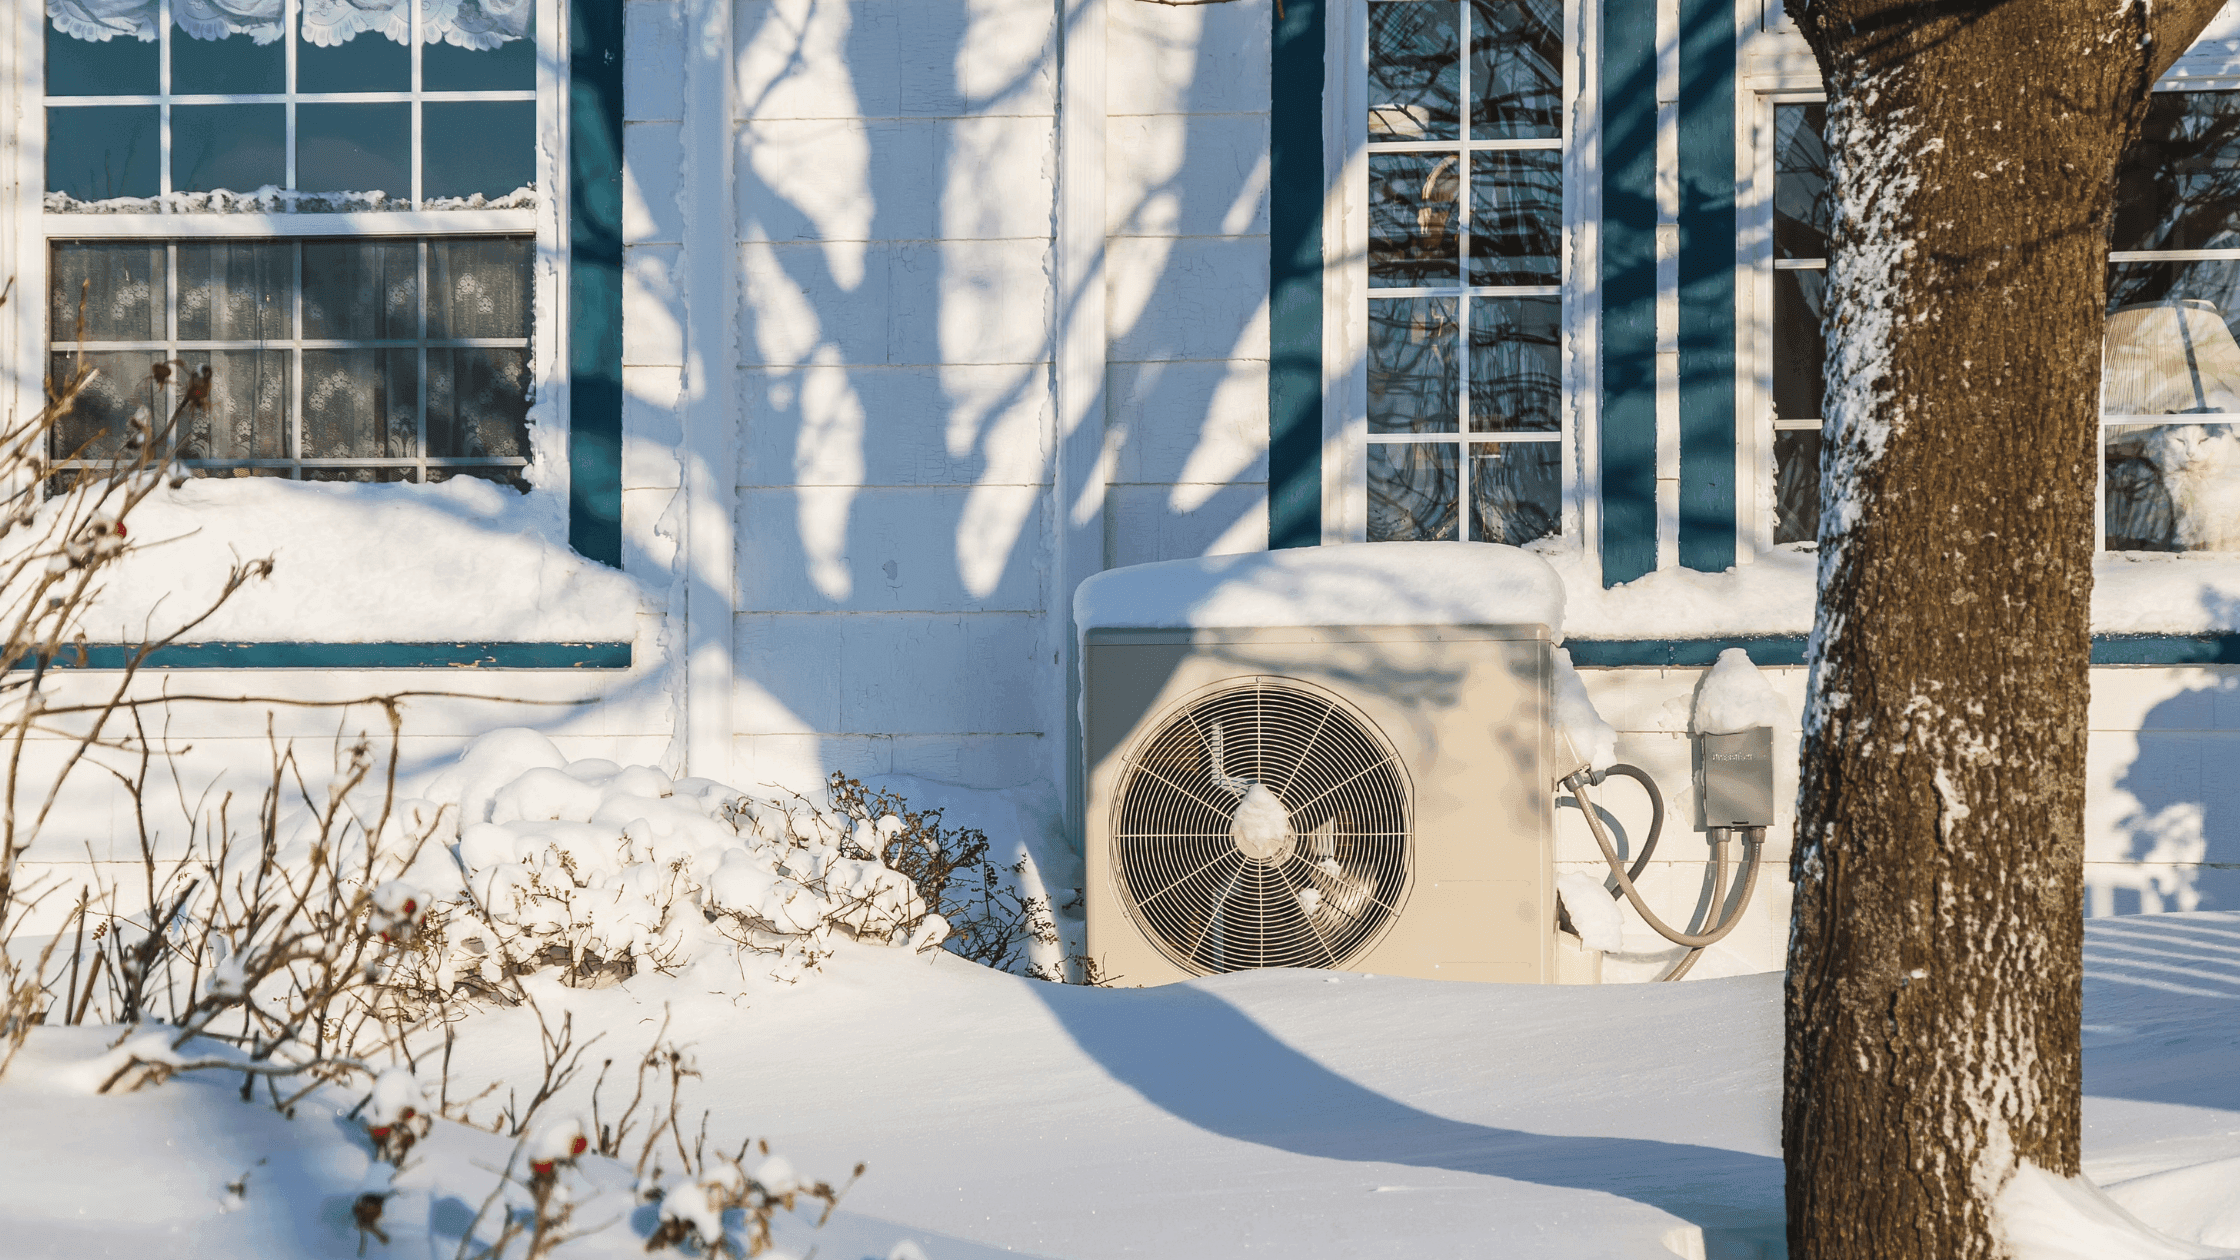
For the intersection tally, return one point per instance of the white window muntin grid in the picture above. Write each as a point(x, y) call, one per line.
point(1773, 100)
point(164, 98)
point(1462, 146)
point(173, 347)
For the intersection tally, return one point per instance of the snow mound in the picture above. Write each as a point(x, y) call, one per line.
point(2197, 1202)
point(2044, 1217)
point(1592, 911)
point(1735, 697)
point(1348, 584)
point(355, 563)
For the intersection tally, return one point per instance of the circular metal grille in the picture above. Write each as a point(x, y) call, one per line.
point(1262, 825)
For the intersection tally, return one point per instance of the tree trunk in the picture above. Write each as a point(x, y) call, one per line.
point(1935, 970)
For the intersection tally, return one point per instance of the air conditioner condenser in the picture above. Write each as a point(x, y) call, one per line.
point(1373, 799)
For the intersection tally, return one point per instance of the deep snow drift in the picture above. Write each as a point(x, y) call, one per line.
point(1275, 1113)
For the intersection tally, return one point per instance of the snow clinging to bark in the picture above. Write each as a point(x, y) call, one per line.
point(1872, 161)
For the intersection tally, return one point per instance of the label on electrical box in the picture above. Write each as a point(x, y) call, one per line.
point(1737, 778)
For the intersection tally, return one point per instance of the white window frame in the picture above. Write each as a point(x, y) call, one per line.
point(1345, 295)
point(26, 228)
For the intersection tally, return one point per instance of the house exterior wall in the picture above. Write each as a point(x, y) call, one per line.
point(885, 403)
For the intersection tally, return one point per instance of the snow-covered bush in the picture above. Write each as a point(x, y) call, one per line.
point(603, 871)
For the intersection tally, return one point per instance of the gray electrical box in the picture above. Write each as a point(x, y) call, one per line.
point(1736, 780)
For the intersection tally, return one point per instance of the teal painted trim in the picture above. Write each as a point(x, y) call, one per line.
point(335, 656)
point(1764, 649)
point(1295, 195)
point(2166, 649)
point(1773, 649)
point(595, 279)
point(1707, 285)
point(1628, 472)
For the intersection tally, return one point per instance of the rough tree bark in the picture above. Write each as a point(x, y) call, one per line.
point(1936, 954)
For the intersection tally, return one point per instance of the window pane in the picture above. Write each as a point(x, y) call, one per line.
point(1799, 354)
point(361, 291)
point(1413, 382)
point(1516, 491)
point(1412, 491)
point(478, 288)
point(1803, 210)
point(119, 283)
point(247, 417)
point(1516, 69)
point(1516, 217)
point(236, 292)
point(1415, 70)
point(1412, 209)
point(503, 52)
point(1516, 365)
point(2179, 184)
point(94, 425)
point(360, 403)
point(333, 56)
point(480, 147)
point(478, 402)
point(234, 66)
point(1796, 482)
point(239, 148)
point(120, 65)
point(102, 151)
point(375, 397)
point(2173, 487)
point(355, 148)
point(2170, 345)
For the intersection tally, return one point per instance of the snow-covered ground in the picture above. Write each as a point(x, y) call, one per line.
point(1274, 1113)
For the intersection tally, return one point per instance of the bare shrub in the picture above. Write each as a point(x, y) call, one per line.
point(63, 524)
point(990, 919)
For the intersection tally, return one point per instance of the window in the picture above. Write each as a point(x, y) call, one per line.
point(2173, 303)
point(324, 211)
point(1802, 215)
point(2173, 308)
point(1465, 270)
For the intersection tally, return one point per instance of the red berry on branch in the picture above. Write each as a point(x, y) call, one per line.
point(578, 1146)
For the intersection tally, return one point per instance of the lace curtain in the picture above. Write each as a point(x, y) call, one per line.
point(481, 25)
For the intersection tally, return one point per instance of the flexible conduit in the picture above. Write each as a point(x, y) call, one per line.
point(1696, 942)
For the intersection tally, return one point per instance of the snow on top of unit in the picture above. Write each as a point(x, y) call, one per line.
point(352, 563)
point(1346, 584)
point(1735, 697)
point(1591, 737)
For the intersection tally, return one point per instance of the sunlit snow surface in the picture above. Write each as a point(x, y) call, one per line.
point(1278, 1113)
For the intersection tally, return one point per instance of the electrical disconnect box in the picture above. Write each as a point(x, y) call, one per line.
point(1736, 781)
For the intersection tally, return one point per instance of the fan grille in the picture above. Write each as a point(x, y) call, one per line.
point(1263, 825)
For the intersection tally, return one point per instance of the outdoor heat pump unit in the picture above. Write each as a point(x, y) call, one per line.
point(1374, 798)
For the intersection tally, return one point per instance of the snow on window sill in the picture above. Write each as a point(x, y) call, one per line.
point(463, 559)
point(271, 200)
